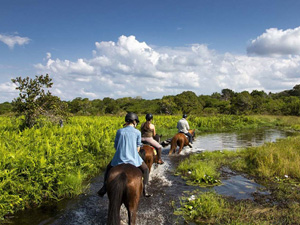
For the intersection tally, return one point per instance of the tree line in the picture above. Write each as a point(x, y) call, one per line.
point(226, 102)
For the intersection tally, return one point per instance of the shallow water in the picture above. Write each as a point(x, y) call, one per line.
point(89, 209)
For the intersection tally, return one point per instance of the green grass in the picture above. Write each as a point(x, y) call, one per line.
point(211, 208)
point(203, 169)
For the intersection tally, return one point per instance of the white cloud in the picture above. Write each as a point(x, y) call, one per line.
point(11, 41)
point(8, 91)
point(129, 68)
point(276, 42)
point(48, 55)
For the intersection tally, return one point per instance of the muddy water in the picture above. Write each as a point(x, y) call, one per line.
point(89, 209)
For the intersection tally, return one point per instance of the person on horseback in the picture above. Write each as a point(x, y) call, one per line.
point(127, 145)
point(183, 127)
point(148, 132)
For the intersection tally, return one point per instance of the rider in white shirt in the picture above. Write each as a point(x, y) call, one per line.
point(183, 127)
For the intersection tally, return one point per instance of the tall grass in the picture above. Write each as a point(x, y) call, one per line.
point(51, 162)
point(280, 159)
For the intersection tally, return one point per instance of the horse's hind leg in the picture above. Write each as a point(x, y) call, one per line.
point(132, 211)
point(181, 147)
point(172, 149)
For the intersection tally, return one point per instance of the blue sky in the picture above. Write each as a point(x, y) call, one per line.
point(96, 49)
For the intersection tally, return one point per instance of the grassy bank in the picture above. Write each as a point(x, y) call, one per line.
point(50, 163)
point(211, 208)
point(274, 165)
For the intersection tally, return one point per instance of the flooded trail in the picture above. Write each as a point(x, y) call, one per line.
point(90, 209)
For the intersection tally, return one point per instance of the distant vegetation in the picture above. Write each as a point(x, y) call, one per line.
point(226, 102)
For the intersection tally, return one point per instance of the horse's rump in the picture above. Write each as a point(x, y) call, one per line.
point(148, 154)
point(124, 185)
point(181, 140)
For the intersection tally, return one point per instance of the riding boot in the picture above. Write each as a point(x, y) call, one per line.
point(145, 172)
point(159, 156)
point(145, 191)
point(103, 190)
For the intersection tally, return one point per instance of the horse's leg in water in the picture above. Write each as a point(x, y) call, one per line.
point(133, 204)
point(173, 146)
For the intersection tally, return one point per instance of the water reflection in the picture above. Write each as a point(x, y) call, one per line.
point(236, 140)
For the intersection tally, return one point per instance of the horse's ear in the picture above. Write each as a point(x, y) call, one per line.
point(160, 136)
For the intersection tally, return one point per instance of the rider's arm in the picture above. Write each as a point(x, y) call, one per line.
point(139, 141)
point(117, 139)
point(187, 125)
point(153, 128)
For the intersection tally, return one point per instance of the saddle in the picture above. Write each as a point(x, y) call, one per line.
point(147, 143)
point(185, 135)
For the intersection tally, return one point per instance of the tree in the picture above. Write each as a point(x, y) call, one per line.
point(295, 91)
point(34, 102)
point(227, 94)
point(242, 102)
point(5, 108)
point(188, 102)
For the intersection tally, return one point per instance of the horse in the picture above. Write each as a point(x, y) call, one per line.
point(180, 140)
point(148, 152)
point(124, 186)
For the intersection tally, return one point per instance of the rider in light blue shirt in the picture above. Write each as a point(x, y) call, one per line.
point(127, 145)
point(126, 142)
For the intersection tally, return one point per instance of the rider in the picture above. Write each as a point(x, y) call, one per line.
point(148, 132)
point(183, 127)
point(127, 145)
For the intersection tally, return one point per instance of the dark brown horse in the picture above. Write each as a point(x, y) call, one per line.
point(180, 140)
point(124, 185)
point(149, 154)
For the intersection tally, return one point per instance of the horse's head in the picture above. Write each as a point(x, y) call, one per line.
point(192, 132)
point(157, 138)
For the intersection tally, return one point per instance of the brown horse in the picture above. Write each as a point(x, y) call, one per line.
point(124, 185)
point(149, 154)
point(180, 140)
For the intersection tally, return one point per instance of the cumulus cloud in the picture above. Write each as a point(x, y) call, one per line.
point(129, 68)
point(8, 91)
point(11, 40)
point(276, 42)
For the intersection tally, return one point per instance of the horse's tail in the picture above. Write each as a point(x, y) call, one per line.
point(118, 187)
